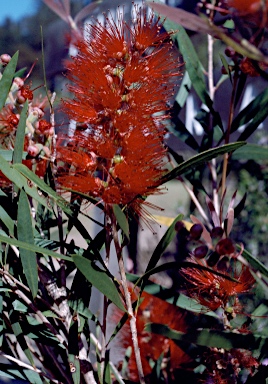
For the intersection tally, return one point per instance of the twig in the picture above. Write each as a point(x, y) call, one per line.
point(228, 131)
point(195, 200)
point(27, 366)
point(133, 326)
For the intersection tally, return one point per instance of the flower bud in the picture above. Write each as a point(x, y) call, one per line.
point(223, 264)
point(200, 252)
point(213, 259)
point(5, 58)
point(196, 231)
point(225, 247)
point(216, 233)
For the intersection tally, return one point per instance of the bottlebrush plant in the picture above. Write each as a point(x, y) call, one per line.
point(211, 325)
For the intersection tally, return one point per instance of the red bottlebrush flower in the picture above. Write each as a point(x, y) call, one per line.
point(246, 6)
point(153, 310)
point(214, 291)
point(121, 85)
point(8, 122)
point(223, 366)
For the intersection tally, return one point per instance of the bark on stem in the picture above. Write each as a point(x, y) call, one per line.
point(133, 326)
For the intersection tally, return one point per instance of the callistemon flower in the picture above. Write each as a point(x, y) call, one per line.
point(246, 6)
point(152, 310)
point(121, 82)
point(8, 124)
point(215, 291)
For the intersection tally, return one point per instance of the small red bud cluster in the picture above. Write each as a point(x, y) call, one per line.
point(38, 132)
point(224, 366)
point(218, 253)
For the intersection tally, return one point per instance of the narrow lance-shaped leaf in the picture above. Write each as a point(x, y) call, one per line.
point(33, 248)
point(25, 234)
point(255, 263)
point(7, 221)
point(212, 338)
point(21, 182)
point(6, 80)
point(204, 25)
point(251, 152)
point(18, 332)
point(163, 243)
point(192, 62)
point(121, 219)
point(21, 168)
point(200, 159)
point(99, 279)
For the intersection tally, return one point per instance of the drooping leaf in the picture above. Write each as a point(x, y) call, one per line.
point(18, 332)
point(253, 114)
point(6, 80)
point(87, 10)
point(200, 159)
point(192, 62)
point(26, 172)
point(179, 129)
point(25, 234)
point(33, 248)
point(61, 8)
point(251, 152)
point(7, 154)
point(121, 219)
point(74, 368)
point(99, 279)
point(204, 25)
point(32, 376)
point(212, 338)
point(20, 135)
point(20, 181)
point(163, 243)
point(255, 263)
point(7, 221)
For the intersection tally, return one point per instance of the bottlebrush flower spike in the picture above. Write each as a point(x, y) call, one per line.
point(153, 310)
point(121, 82)
point(214, 291)
point(246, 6)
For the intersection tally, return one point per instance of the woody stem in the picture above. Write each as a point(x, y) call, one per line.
point(133, 326)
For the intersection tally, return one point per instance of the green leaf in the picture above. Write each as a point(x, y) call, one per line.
point(33, 248)
point(7, 154)
point(251, 152)
point(192, 62)
point(121, 219)
point(20, 181)
point(7, 221)
point(255, 263)
point(74, 368)
point(200, 159)
point(63, 204)
point(18, 332)
point(256, 111)
point(7, 78)
point(19, 306)
point(184, 90)
point(20, 135)
point(179, 130)
point(25, 234)
point(212, 338)
point(32, 376)
point(163, 243)
point(99, 279)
